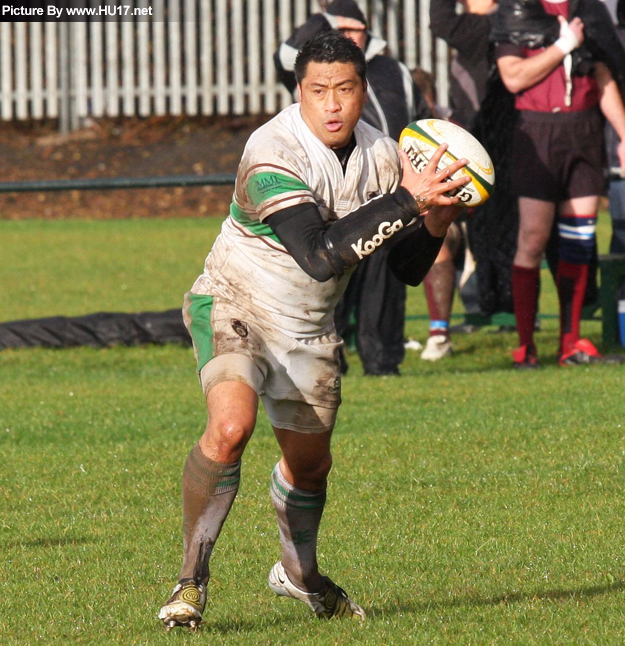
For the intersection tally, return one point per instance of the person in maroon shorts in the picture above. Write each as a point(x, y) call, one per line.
point(558, 162)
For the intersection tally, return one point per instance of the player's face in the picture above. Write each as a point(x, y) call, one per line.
point(331, 97)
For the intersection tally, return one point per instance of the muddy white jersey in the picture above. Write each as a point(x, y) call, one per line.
point(284, 164)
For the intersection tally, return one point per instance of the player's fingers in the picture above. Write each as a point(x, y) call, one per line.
point(406, 164)
point(443, 200)
point(445, 185)
point(452, 184)
point(441, 190)
point(444, 174)
point(457, 165)
point(436, 157)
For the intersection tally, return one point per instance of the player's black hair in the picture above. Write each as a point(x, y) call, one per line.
point(620, 13)
point(330, 47)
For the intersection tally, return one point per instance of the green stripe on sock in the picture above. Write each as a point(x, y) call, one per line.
point(224, 477)
point(293, 497)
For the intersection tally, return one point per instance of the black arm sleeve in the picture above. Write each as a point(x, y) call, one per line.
point(413, 254)
point(324, 251)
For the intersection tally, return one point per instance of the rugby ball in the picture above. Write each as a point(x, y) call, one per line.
point(421, 138)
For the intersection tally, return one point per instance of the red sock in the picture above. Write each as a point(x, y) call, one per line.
point(571, 281)
point(525, 284)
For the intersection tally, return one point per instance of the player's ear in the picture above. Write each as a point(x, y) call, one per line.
point(299, 93)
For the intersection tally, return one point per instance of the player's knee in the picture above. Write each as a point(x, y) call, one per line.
point(227, 438)
point(532, 245)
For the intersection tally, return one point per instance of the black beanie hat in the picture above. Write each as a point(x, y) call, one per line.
point(620, 12)
point(347, 8)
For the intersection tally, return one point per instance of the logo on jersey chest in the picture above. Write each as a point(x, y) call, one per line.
point(385, 231)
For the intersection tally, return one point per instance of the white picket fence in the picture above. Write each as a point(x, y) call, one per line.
point(193, 57)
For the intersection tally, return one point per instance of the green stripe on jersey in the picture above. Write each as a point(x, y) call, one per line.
point(262, 186)
point(201, 329)
point(253, 226)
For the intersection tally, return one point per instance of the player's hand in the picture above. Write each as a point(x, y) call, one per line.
point(480, 7)
point(439, 218)
point(429, 186)
point(571, 35)
point(350, 24)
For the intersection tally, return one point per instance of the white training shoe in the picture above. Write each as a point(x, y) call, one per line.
point(413, 344)
point(437, 347)
point(185, 606)
point(332, 602)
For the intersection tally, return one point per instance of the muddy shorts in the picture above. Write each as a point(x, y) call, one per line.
point(298, 380)
point(557, 156)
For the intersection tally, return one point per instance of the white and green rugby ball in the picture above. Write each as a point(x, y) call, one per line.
point(421, 138)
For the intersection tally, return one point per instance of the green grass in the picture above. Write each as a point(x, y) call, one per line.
point(468, 504)
point(75, 267)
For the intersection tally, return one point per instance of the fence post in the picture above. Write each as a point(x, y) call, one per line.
point(64, 98)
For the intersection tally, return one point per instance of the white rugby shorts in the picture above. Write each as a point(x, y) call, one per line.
point(298, 380)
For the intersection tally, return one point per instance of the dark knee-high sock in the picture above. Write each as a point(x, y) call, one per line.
point(299, 515)
point(571, 280)
point(208, 491)
point(439, 292)
point(525, 285)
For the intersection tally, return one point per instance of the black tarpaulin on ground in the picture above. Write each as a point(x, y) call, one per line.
point(101, 330)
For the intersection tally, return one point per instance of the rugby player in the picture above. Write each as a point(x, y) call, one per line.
point(317, 190)
point(562, 87)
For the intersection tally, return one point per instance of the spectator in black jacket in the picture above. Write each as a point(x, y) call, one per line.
point(374, 295)
point(468, 33)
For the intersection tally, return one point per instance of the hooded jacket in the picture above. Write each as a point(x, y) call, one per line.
point(393, 98)
point(468, 34)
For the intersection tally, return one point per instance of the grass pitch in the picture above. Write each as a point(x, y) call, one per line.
point(468, 504)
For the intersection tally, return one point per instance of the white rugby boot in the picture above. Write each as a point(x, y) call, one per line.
point(437, 347)
point(332, 602)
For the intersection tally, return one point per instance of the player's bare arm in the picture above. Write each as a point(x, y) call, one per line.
point(611, 105)
point(519, 73)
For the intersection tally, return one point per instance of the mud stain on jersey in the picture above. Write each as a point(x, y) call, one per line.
point(226, 342)
point(239, 327)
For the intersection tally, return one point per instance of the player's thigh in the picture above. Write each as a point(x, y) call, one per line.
point(535, 222)
point(587, 206)
point(231, 385)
